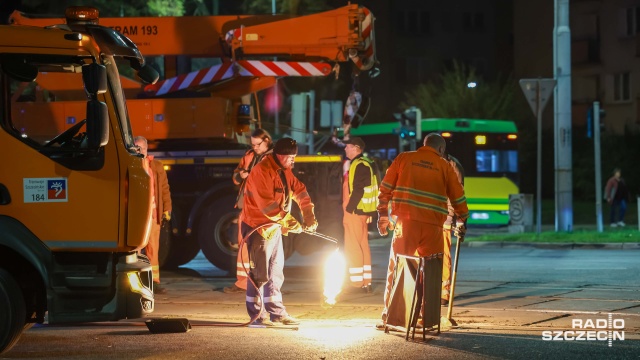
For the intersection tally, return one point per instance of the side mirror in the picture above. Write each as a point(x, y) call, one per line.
point(94, 77)
point(148, 75)
point(97, 124)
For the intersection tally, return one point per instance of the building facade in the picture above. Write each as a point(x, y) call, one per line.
point(604, 56)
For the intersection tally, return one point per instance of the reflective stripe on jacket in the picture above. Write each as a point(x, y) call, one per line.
point(365, 195)
point(417, 186)
point(267, 199)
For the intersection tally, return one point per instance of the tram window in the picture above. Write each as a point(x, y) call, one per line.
point(497, 161)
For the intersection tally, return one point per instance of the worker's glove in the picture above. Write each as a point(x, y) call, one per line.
point(309, 219)
point(166, 216)
point(310, 227)
point(383, 224)
point(460, 231)
point(290, 224)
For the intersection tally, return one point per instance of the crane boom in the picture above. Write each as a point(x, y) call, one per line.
point(338, 35)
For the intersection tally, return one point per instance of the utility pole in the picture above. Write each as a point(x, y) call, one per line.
point(537, 92)
point(598, 166)
point(562, 117)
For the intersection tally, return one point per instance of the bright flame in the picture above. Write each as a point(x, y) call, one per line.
point(334, 270)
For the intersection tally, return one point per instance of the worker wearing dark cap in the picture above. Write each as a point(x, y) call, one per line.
point(359, 202)
point(267, 216)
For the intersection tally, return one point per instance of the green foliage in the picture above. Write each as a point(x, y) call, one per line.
point(626, 235)
point(165, 7)
point(290, 7)
point(449, 96)
point(111, 8)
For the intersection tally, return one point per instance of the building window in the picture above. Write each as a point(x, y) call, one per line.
point(629, 21)
point(621, 87)
point(473, 21)
point(413, 23)
point(412, 70)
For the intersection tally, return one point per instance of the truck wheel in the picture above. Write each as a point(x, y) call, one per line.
point(183, 250)
point(218, 233)
point(12, 311)
point(165, 245)
point(180, 249)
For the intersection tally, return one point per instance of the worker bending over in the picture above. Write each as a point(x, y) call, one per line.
point(266, 215)
point(417, 185)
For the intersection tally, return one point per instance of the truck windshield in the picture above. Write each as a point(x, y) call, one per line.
point(118, 94)
point(43, 109)
point(49, 112)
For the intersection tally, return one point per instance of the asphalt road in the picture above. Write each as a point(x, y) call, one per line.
point(506, 298)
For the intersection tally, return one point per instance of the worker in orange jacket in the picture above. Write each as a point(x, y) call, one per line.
point(448, 228)
point(359, 202)
point(161, 209)
point(418, 184)
point(261, 146)
point(266, 216)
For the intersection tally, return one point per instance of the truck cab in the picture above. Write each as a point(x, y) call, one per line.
point(75, 197)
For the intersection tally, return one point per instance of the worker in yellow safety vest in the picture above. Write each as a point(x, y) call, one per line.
point(359, 202)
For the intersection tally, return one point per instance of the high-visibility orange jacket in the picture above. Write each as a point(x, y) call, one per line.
point(268, 199)
point(417, 186)
point(459, 170)
point(248, 161)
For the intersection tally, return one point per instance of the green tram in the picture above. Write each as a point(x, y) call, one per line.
point(487, 149)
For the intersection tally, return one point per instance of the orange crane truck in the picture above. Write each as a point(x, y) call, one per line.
point(197, 119)
point(75, 199)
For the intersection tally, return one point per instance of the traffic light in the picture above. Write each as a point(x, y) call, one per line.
point(603, 114)
point(591, 119)
point(408, 123)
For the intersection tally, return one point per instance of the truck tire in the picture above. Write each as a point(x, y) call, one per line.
point(12, 311)
point(165, 249)
point(218, 233)
point(183, 250)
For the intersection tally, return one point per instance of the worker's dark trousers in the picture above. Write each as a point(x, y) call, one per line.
point(267, 258)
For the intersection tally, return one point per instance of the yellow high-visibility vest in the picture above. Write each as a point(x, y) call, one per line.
point(369, 201)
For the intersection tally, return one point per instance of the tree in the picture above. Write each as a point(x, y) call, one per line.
point(291, 7)
point(111, 8)
point(451, 97)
